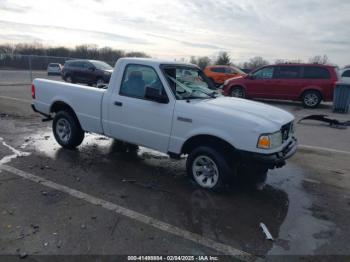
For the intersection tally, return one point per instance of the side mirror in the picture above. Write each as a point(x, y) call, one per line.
point(154, 95)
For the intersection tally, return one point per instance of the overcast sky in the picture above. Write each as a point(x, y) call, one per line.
point(285, 29)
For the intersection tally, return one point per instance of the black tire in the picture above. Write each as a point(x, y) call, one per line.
point(237, 91)
point(311, 98)
point(69, 79)
point(99, 81)
point(252, 175)
point(223, 169)
point(76, 134)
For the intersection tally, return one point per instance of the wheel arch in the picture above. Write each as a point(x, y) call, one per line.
point(237, 85)
point(311, 88)
point(204, 139)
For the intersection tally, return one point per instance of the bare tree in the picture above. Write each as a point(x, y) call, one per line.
point(289, 61)
point(193, 60)
point(318, 59)
point(254, 63)
point(223, 59)
point(201, 61)
point(11, 56)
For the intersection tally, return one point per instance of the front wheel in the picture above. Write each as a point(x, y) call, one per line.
point(67, 130)
point(208, 167)
point(238, 92)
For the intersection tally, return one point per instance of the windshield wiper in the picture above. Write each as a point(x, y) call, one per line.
point(211, 94)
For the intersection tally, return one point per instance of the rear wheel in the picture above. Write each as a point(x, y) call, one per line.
point(311, 99)
point(208, 167)
point(67, 130)
point(69, 79)
point(237, 92)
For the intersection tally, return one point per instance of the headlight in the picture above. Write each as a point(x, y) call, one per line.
point(270, 141)
point(106, 73)
point(292, 128)
point(226, 82)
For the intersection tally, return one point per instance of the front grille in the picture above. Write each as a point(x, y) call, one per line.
point(285, 130)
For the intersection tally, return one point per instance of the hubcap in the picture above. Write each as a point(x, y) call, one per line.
point(311, 99)
point(63, 130)
point(237, 92)
point(205, 171)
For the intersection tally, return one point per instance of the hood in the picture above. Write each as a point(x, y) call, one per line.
point(236, 77)
point(262, 115)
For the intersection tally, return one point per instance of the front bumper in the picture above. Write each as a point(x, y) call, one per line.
point(272, 160)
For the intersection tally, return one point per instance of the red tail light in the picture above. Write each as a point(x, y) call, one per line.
point(33, 91)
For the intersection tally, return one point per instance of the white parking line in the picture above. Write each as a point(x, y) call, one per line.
point(16, 99)
point(196, 238)
point(324, 149)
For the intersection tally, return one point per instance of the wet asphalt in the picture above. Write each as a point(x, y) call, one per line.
point(305, 205)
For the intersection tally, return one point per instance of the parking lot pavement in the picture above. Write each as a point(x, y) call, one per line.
point(98, 200)
point(295, 205)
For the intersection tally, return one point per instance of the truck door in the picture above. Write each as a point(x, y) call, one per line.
point(135, 119)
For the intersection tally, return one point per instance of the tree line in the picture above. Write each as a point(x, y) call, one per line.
point(223, 58)
point(38, 56)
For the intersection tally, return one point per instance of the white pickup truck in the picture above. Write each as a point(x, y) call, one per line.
point(171, 107)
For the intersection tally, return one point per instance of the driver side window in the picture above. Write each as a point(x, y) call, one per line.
point(135, 80)
point(264, 73)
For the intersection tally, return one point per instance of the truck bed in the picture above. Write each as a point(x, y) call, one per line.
point(85, 101)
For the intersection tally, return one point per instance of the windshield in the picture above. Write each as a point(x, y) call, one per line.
point(101, 65)
point(189, 83)
point(238, 71)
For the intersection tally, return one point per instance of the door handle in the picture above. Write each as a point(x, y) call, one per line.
point(117, 103)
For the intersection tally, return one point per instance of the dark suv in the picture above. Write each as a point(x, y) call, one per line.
point(91, 72)
point(310, 83)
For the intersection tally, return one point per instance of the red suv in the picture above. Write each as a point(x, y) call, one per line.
point(310, 83)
